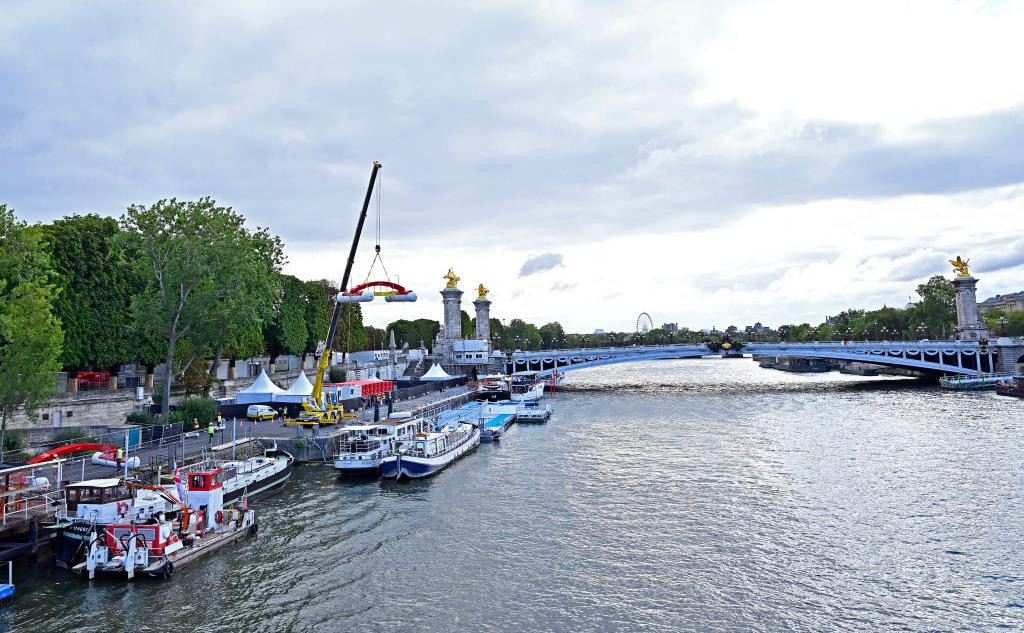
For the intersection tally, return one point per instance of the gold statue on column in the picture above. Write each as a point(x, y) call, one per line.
point(960, 266)
point(452, 278)
point(481, 291)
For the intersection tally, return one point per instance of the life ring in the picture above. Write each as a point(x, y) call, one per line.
point(122, 507)
point(219, 516)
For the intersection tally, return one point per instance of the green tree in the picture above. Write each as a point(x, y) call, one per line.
point(936, 311)
point(197, 258)
point(1002, 323)
point(375, 338)
point(319, 303)
point(467, 325)
point(286, 332)
point(552, 335)
point(411, 333)
point(521, 335)
point(30, 334)
point(96, 286)
point(351, 335)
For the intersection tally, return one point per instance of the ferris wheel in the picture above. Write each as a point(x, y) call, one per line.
point(644, 323)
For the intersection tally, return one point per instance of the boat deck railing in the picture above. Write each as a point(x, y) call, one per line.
point(23, 506)
point(360, 446)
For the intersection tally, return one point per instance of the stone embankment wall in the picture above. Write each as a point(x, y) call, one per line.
point(111, 408)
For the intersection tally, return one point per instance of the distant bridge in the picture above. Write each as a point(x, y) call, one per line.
point(940, 357)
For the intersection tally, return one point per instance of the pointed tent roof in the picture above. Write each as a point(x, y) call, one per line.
point(301, 386)
point(435, 373)
point(263, 384)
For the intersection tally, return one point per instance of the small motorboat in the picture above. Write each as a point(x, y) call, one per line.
point(1011, 387)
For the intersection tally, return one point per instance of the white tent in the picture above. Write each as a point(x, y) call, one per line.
point(300, 390)
point(263, 390)
point(436, 373)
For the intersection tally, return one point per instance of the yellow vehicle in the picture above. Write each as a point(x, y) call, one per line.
point(318, 409)
point(261, 412)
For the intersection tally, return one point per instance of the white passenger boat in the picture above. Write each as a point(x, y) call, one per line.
point(362, 448)
point(430, 452)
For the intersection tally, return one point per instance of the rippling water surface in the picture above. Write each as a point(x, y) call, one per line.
point(679, 495)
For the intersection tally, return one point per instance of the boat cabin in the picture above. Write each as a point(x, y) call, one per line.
point(206, 480)
point(107, 500)
point(98, 498)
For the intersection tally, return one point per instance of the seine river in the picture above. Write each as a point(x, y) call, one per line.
point(669, 496)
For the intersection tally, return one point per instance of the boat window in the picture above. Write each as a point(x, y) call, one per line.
point(197, 481)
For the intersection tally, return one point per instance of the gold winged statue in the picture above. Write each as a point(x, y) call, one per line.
point(960, 266)
point(452, 278)
point(481, 291)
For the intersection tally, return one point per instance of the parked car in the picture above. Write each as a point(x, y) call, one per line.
point(260, 412)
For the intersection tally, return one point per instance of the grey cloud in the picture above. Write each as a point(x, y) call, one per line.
point(561, 286)
point(265, 128)
point(540, 263)
point(1008, 256)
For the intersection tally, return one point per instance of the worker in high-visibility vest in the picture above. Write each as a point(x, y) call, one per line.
point(119, 457)
point(210, 429)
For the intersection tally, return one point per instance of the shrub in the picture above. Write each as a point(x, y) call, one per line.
point(204, 409)
point(141, 417)
point(73, 434)
point(172, 417)
point(14, 445)
point(337, 374)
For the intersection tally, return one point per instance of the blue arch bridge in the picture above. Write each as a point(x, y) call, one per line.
point(935, 358)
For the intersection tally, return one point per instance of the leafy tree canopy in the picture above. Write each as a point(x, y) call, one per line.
point(30, 334)
point(207, 278)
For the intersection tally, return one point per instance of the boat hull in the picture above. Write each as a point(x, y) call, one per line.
point(408, 467)
point(272, 483)
point(358, 467)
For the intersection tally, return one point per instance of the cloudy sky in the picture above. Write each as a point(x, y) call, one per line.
point(709, 163)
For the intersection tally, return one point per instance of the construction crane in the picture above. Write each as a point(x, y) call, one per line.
point(316, 409)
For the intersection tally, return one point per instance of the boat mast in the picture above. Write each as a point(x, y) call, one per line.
point(325, 357)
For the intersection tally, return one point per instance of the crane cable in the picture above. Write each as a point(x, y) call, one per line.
point(376, 248)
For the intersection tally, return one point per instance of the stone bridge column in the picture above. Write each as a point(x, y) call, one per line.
point(969, 325)
point(452, 298)
point(483, 319)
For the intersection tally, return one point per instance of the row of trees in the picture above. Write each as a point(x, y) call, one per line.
point(934, 316)
point(176, 283)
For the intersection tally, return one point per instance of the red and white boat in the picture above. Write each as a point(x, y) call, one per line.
point(159, 546)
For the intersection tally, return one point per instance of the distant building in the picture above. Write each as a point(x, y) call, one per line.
point(599, 331)
point(1007, 303)
point(671, 328)
point(757, 328)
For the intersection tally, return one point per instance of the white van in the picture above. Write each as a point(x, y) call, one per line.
point(260, 412)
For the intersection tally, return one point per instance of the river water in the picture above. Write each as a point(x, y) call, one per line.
point(668, 496)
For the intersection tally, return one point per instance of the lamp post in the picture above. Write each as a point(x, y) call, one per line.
point(1002, 326)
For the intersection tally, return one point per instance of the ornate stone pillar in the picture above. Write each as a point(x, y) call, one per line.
point(969, 325)
point(483, 319)
point(452, 298)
